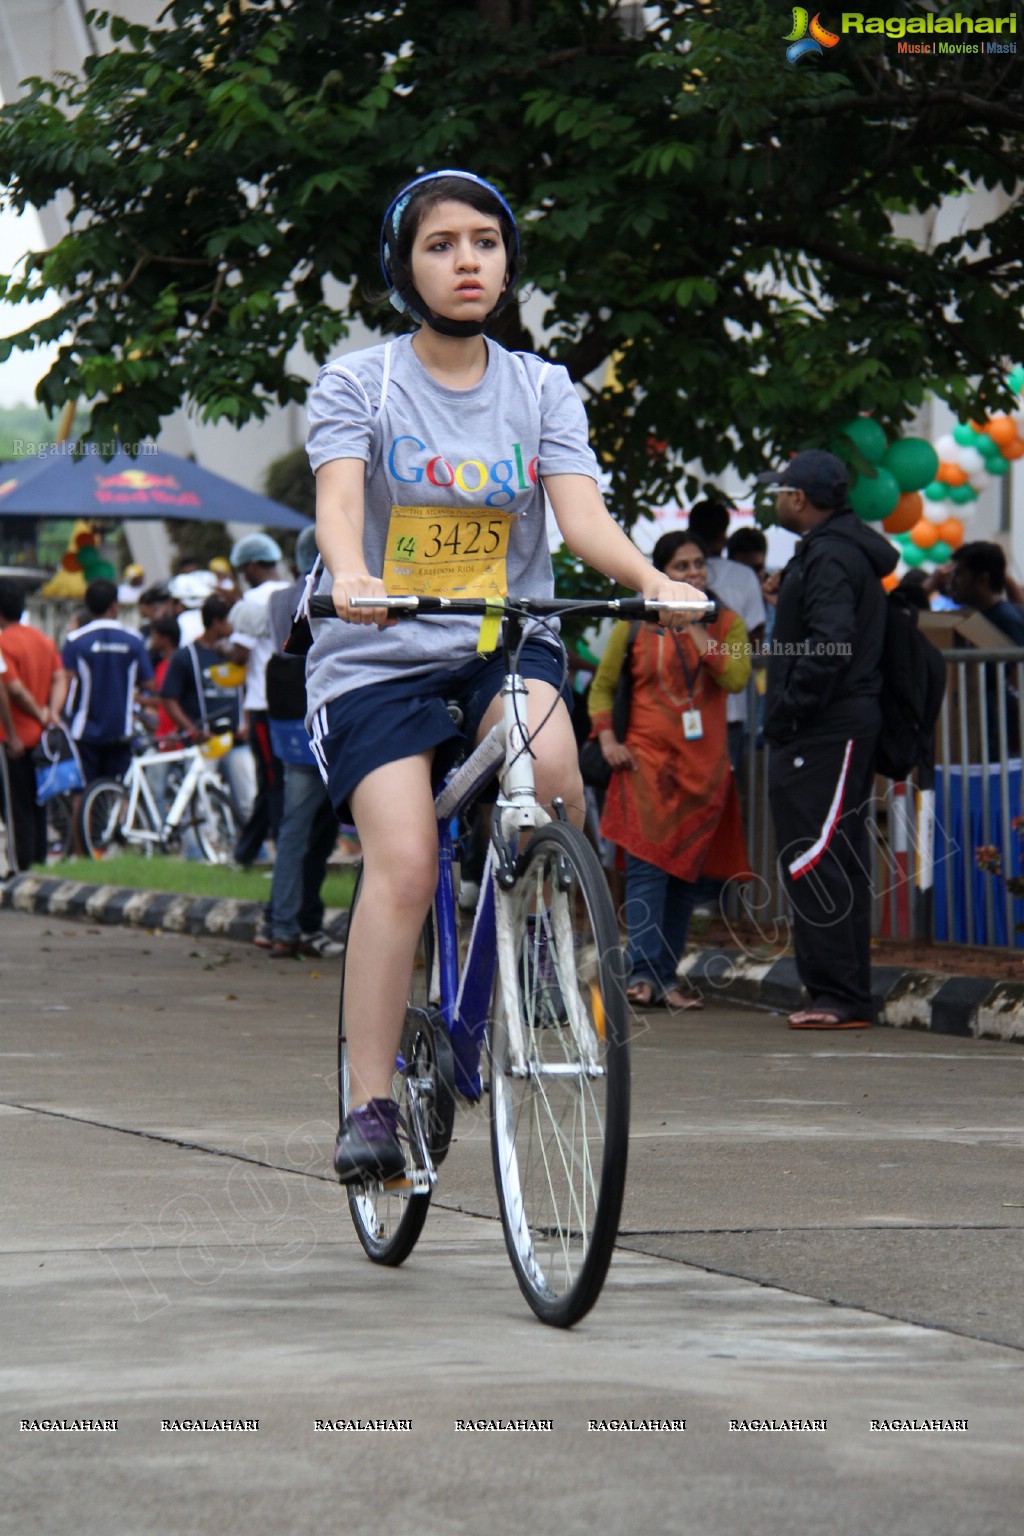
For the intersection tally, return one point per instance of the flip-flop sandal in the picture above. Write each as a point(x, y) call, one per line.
point(824, 1018)
point(641, 993)
point(687, 1001)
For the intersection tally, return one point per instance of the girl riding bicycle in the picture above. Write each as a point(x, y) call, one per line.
point(432, 455)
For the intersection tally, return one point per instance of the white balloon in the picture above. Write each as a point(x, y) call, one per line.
point(946, 447)
point(937, 511)
point(970, 460)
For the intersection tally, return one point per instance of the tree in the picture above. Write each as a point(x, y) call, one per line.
point(720, 222)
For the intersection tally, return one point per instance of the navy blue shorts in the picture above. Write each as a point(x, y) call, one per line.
point(386, 722)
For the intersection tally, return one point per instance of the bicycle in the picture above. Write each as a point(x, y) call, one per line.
point(124, 815)
point(541, 995)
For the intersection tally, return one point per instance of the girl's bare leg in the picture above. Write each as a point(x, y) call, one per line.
point(393, 812)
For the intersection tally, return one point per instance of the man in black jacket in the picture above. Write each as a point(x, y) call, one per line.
point(822, 720)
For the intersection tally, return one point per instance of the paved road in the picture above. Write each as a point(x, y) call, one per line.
point(817, 1228)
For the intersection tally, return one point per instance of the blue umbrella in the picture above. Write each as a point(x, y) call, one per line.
point(154, 485)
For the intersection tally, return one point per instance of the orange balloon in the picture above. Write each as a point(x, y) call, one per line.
point(1002, 430)
point(890, 581)
point(1014, 450)
point(951, 532)
point(906, 513)
point(952, 474)
point(924, 534)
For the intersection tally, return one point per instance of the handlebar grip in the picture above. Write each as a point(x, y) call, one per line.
point(398, 607)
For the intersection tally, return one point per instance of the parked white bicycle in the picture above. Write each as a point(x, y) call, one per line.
point(126, 815)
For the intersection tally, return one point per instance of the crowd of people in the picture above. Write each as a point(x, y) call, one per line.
point(197, 665)
point(191, 669)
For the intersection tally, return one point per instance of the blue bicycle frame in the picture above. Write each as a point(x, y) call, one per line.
point(464, 1000)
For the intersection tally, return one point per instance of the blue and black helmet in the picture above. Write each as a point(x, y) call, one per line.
point(397, 273)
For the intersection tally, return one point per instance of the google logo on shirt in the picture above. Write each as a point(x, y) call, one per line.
point(469, 476)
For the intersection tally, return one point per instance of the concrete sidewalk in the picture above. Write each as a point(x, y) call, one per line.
point(971, 1006)
point(817, 1230)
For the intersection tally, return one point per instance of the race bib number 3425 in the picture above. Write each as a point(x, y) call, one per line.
point(440, 552)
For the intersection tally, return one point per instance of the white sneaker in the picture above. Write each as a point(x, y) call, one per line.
point(320, 944)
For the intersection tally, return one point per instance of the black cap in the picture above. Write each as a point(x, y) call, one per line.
point(157, 593)
point(820, 475)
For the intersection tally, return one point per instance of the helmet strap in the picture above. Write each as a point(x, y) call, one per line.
point(461, 329)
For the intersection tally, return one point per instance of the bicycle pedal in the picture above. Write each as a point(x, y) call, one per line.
point(416, 1180)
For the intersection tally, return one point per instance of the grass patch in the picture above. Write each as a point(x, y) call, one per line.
point(187, 877)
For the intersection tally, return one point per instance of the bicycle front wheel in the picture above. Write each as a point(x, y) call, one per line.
point(105, 829)
point(559, 1054)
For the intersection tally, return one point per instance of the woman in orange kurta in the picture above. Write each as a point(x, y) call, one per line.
point(672, 801)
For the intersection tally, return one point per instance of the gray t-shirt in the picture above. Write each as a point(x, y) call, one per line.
point(738, 587)
point(479, 452)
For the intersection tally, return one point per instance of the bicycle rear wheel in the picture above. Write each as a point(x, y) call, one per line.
point(212, 816)
point(559, 1053)
point(104, 815)
point(389, 1218)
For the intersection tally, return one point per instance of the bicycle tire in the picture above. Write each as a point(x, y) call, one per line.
point(102, 817)
point(216, 833)
point(560, 1130)
point(389, 1218)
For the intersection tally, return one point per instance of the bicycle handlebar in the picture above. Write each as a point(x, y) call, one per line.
point(539, 607)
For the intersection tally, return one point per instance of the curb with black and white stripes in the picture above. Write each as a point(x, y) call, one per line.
point(969, 1006)
point(134, 909)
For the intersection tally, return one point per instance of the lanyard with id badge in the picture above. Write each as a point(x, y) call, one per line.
point(693, 725)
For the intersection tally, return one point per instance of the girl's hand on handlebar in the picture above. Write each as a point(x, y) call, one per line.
point(349, 585)
point(660, 586)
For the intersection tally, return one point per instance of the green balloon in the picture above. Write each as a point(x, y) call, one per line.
point(867, 436)
point(940, 552)
point(914, 556)
point(874, 499)
point(961, 494)
point(988, 448)
point(965, 435)
point(997, 466)
point(937, 491)
point(912, 461)
point(1016, 380)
